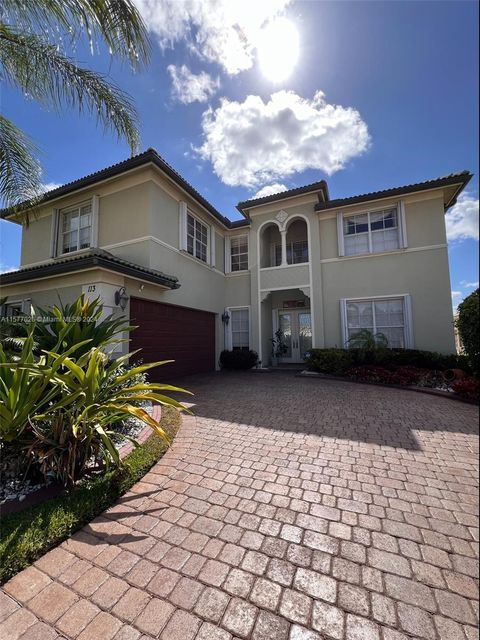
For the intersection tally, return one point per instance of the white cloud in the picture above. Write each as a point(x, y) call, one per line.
point(49, 186)
point(462, 218)
point(188, 87)
point(253, 142)
point(222, 31)
point(270, 190)
point(4, 268)
point(470, 285)
point(456, 294)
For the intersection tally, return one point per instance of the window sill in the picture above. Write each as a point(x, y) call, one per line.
point(72, 253)
point(243, 272)
point(367, 255)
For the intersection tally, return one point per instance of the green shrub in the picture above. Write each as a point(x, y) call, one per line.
point(468, 324)
point(27, 535)
point(333, 361)
point(337, 361)
point(238, 359)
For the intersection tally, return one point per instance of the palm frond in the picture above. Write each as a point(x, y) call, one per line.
point(117, 22)
point(42, 72)
point(20, 174)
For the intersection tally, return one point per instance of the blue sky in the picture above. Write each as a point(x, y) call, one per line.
point(382, 94)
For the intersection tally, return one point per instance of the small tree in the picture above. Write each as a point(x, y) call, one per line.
point(468, 324)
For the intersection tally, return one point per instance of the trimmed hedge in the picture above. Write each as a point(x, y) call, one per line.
point(27, 535)
point(338, 361)
point(238, 359)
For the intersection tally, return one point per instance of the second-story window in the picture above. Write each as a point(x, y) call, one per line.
point(197, 238)
point(76, 228)
point(239, 253)
point(372, 232)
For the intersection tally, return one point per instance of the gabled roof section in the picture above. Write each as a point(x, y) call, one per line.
point(460, 179)
point(87, 260)
point(321, 187)
point(148, 156)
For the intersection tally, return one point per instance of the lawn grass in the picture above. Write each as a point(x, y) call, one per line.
point(27, 535)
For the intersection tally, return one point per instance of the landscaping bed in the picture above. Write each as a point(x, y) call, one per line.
point(441, 393)
point(430, 372)
point(28, 535)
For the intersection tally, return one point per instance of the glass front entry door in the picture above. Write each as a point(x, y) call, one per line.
point(296, 329)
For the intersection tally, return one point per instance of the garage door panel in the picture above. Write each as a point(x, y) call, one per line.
point(169, 332)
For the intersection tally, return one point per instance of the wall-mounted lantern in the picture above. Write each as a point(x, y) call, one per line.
point(225, 318)
point(121, 298)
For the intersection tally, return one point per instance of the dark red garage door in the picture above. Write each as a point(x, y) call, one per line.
point(168, 332)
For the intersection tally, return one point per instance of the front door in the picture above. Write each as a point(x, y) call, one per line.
point(296, 330)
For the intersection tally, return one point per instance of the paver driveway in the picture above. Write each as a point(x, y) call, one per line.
point(290, 508)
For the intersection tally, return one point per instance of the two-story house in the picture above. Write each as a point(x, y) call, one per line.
point(144, 241)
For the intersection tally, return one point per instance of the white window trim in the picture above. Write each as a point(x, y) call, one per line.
point(228, 253)
point(407, 315)
point(401, 229)
point(229, 336)
point(213, 241)
point(184, 231)
point(56, 248)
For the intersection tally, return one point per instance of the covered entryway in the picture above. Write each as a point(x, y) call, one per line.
point(169, 332)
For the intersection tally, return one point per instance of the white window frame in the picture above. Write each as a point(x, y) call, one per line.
point(209, 254)
point(401, 229)
point(228, 253)
point(56, 242)
point(407, 315)
point(229, 344)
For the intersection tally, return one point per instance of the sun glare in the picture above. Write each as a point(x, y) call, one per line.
point(278, 49)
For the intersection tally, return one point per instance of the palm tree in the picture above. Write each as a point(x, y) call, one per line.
point(40, 68)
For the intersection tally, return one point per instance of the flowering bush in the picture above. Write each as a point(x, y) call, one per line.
point(393, 375)
point(468, 388)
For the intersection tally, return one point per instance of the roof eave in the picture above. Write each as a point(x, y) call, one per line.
point(317, 187)
point(149, 156)
point(461, 180)
point(83, 263)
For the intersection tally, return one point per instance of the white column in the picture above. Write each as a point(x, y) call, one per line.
point(284, 247)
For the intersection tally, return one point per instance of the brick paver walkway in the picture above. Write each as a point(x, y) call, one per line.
point(289, 509)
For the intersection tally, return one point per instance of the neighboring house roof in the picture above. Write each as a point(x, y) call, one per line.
point(282, 195)
point(461, 179)
point(150, 155)
point(87, 260)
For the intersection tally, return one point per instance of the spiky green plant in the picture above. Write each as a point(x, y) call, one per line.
point(75, 322)
point(62, 409)
point(35, 36)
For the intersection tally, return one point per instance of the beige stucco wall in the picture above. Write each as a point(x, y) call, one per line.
point(124, 215)
point(238, 290)
point(36, 239)
point(164, 222)
point(422, 274)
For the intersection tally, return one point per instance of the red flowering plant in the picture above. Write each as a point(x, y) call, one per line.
point(468, 388)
